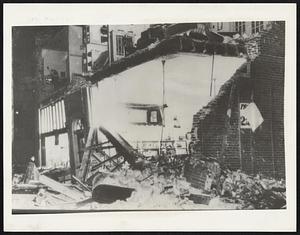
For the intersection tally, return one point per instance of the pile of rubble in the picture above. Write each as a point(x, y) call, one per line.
point(162, 186)
point(251, 192)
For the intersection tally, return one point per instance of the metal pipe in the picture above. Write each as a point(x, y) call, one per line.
point(163, 104)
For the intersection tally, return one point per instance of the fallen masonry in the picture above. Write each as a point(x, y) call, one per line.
point(157, 186)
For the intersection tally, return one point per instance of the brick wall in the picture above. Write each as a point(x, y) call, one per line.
point(215, 134)
point(218, 136)
point(267, 73)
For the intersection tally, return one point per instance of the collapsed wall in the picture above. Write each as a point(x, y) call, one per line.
point(216, 129)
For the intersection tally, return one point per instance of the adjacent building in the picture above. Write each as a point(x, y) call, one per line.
point(246, 28)
point(63, 58)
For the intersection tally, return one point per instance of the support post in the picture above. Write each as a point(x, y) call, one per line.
point(71, 148)
point(43, 151)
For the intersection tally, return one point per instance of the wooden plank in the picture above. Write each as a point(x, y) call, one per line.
point(82, 184)
point(47, 120)
point(54, 132)
point(59, 114)
point(118, 165)
point(97, 146)
point(86, 155)
point(60, 188)
point(50, 117)
point(26, 186)
point(109, 159)
point(97, 157)
point(63, 113)
point(53, 117)
point(121, 145)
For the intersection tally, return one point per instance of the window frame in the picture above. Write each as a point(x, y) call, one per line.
point(219, 25)
point(148, 109)
point(240, 27)
point(120, 48)
point(257, 26)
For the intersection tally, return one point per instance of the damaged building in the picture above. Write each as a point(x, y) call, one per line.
point(181, 91)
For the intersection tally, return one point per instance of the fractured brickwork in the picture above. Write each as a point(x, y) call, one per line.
point(218, 135)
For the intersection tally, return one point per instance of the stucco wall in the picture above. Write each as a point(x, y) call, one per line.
point(187, 84)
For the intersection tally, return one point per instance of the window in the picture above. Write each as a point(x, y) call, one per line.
point(153, 116)
point(219, 25)
point(128, 45)
point(240, 27)
point(86, 34)
point(257, 26)
point(120, 45)
point(104, 30)
point(104, 33)
point(104, 39)
point(62, 74)
point(144, 114)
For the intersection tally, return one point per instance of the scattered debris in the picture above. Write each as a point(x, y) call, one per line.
point(26, 188)
point(159, 184)
point(253, 192)
point(60, 174)
point(73, 194)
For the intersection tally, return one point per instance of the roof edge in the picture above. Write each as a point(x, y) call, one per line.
point(168, 46)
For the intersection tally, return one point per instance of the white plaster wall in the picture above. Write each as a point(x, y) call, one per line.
point(187, 84)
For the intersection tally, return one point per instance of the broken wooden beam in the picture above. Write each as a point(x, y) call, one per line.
point(75, 195)
point(107, 160)
point(81, 184)
point(26, 188)
point(86, 156)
